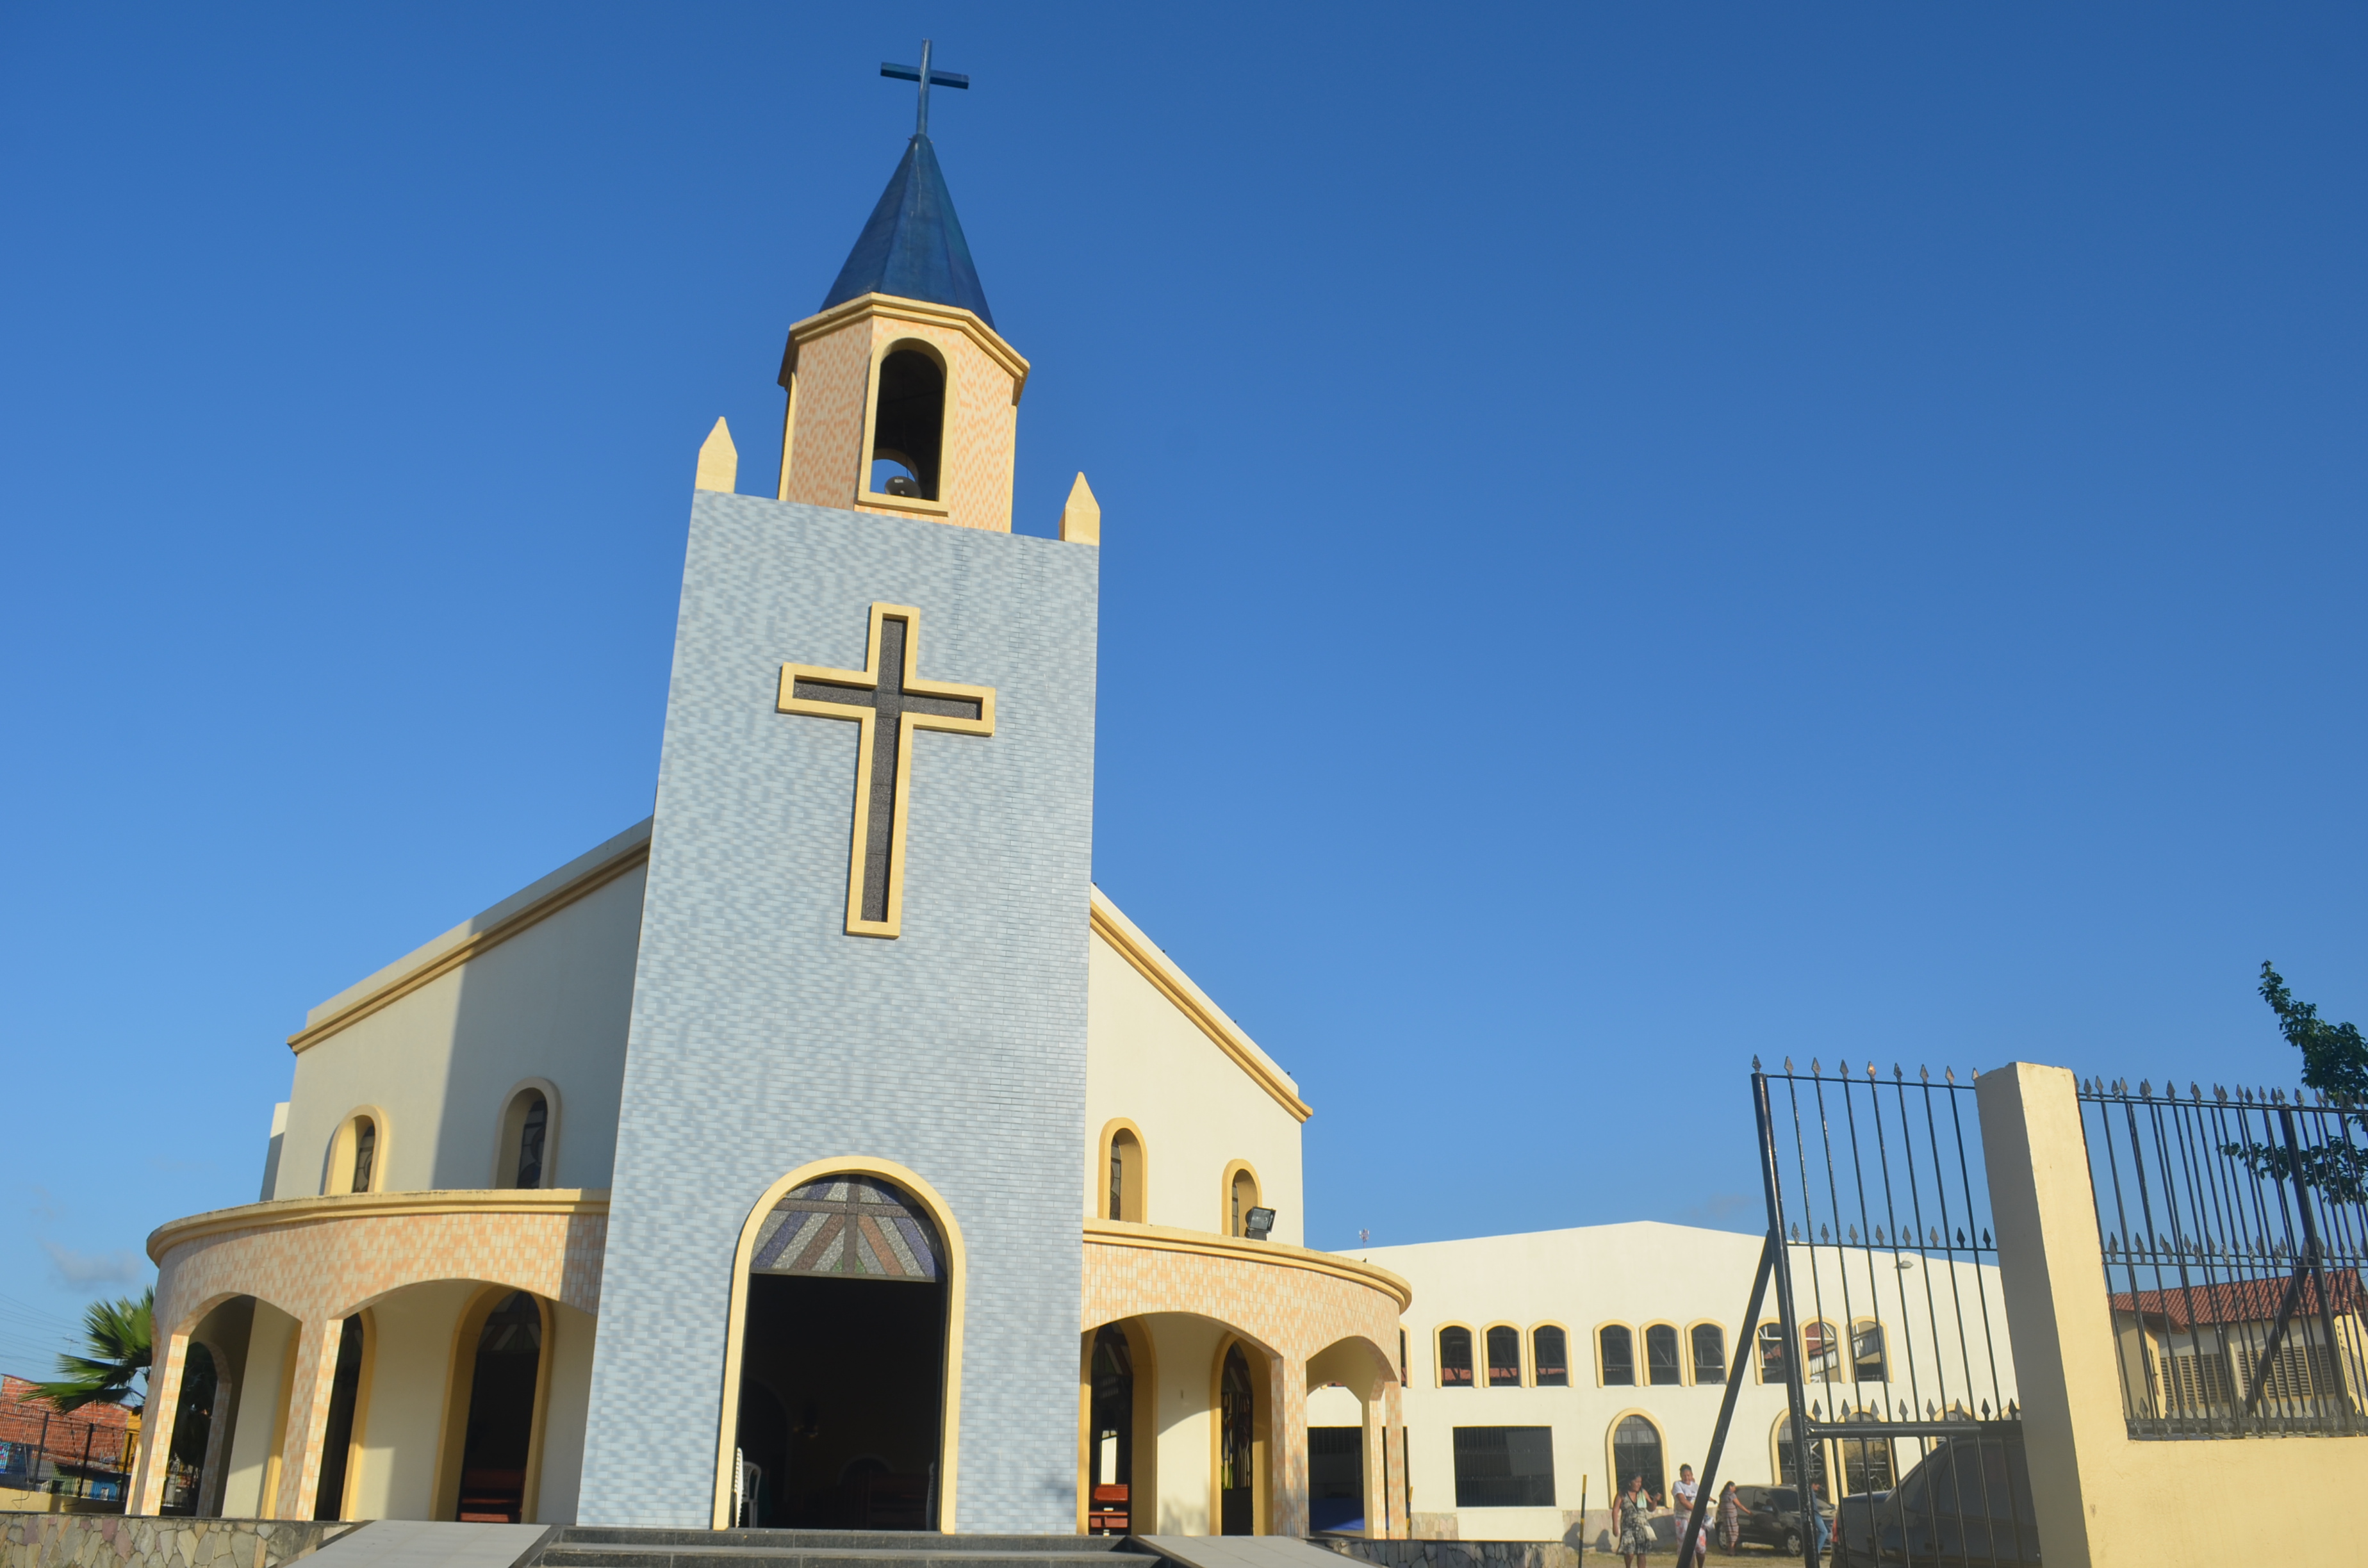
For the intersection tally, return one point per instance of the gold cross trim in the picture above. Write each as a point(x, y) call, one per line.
point(875, 871)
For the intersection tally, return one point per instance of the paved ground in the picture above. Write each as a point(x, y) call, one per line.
point(1245, 1552)
point(418, 1543)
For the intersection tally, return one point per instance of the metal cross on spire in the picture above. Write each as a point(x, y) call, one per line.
point(927, 78)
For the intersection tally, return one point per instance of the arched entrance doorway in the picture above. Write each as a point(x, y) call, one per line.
point(498, 1444)
point(1237, 1445)
point(842, 1362)
point(1109, 1433)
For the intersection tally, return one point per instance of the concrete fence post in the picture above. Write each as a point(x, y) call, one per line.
point(2052, 1273)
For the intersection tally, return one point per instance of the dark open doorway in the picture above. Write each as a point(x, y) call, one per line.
point(1109, 1431)
point(1237, 1448)
point(842, 1363)
point(500, 1434)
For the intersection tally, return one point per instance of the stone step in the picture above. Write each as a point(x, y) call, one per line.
point(597, 1547)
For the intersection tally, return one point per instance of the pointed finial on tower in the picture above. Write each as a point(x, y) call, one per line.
point(719, 460)
point(1081, 514)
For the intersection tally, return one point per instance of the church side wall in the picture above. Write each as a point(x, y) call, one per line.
point(1196, 1109)
point(439, 1062)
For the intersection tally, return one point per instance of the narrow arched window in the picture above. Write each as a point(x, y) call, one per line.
point(365, 1154)
point(1455, 1358)
point(1504, 1357)
point(1821, 1357)
point(1710, 1353)
point(1616, 1354)
point(1661, 1354)
point(1242, 1197)
point(530, 1130)
point(1868, 1361)
point(1549, 1360)
point(1774, 1364)
point(908, 425)
point(1125, 1177)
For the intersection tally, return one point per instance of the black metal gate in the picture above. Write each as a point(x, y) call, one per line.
point(1888, 1326)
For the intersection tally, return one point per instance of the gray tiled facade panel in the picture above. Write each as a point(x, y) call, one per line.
point(764, 1037)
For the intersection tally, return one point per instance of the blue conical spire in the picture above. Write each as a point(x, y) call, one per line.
point(913, 248)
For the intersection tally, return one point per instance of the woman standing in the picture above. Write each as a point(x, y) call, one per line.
point(1730, 1518)
point(1636, 1512)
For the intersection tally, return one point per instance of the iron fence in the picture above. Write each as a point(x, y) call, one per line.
point(2233, 1243)
point(1890, 1324)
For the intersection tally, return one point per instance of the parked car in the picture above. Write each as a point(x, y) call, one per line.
point(1775, 1517)
point(1966, 1504)
point(1854, 1527)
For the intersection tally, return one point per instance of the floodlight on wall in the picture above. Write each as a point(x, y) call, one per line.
point(1256, 1223)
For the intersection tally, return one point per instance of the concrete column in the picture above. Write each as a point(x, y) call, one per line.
point(2052, 1273)
point(1394, 1434)
point(1286, 1381)
point(1375, 1437)
point(157, 1436)
point(308, 1418)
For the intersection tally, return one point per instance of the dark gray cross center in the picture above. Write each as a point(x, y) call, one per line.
point(892, 693)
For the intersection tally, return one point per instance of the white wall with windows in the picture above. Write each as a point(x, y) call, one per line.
point(1539, 1365)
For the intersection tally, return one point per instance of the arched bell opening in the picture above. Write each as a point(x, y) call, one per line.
point(843, 1352)
point(908, 424)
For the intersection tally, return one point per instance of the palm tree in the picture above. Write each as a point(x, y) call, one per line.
point(116, 1335)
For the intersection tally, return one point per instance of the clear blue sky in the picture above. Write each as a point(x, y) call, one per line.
point(1636, 536)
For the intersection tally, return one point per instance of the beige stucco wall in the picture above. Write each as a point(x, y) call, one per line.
point(260, 1399)
point(1637, 1275)
point(1196, 1106)
point(438, 1061)
point(2103, 1498)
point(1186, 1347)
point(410, 1370)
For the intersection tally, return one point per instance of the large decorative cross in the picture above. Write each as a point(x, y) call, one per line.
point(927, 78)
point(889, 701)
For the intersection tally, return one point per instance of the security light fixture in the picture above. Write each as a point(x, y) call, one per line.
point(1256, 1223)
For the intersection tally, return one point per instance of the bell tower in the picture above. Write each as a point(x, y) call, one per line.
point(903, 398)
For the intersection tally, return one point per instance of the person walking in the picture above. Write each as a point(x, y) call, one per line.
point(1731, 1509)
point(1681, 1500)
point(1634, 1514)
point(1817, 1526)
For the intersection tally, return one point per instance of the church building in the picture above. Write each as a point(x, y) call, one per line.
point(724, 1175)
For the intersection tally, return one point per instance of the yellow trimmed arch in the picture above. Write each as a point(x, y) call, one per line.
point(913, 1186)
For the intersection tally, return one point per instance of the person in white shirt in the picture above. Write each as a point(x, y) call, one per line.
point(1681, 1498)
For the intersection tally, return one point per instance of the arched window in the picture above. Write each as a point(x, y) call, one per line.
point(1615, 1355)
point(357, 1155)
point(1237, 1447)
point(525, 1158)
point(1636, 1450)
point(1504, 1357)
point(365, 1154)
point(1710, 1353)
point(1125, 1196)
point(1241, 1198)
point(908, 424)
point(1661, 1354)
point(1455, 1358)
point(1821, 1353)
point(1774, 1364)
point(338, 1439)
point(1866, 1463)
point(1868, 1362)
point(1788, 1457)
point(1549, 1360)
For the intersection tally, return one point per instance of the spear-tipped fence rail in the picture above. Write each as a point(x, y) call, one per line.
point(2232, 1230)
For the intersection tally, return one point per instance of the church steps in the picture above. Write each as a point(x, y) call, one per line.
point(592, 1547)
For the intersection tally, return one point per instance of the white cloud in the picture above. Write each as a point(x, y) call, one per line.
point(117, 1267)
